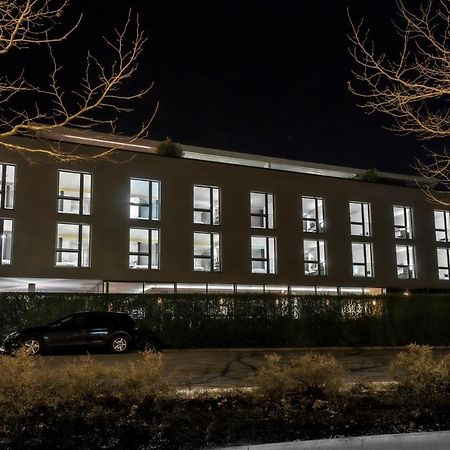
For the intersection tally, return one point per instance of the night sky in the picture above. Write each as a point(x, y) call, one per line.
point(259, 76)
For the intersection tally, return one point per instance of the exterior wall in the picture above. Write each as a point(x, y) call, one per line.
point(35, 218)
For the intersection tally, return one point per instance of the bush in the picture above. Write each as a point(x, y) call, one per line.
point(316, 375)
point(422, 380)
point(250, 320)
point(28, 382)
point(169, 148)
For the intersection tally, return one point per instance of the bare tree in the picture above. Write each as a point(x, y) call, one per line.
point(413, 86)
point(100, 98)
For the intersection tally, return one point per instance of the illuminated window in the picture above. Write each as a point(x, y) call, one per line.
point(313, 214)
point(406, 261)
point(362, 258)
point(207, 252)
point(7, 185)
point(145, 199)
point(6, 232)
point(73, 245)
point(74, 192)
point(403, 228)
point(262, 210)
point(360, 219)
point(442, 225)
point(443, 257)
point(144, 248)
point(263, 254)
point(206, 205)
point(314, 257)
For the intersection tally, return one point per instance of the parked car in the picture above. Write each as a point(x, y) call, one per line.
point(116, 332)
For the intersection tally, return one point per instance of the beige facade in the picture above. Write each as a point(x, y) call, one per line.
point(35, 217)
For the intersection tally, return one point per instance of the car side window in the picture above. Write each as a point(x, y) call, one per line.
point(101, 321)
point(78, 321)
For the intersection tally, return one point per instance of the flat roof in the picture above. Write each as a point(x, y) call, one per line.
point(120, 142)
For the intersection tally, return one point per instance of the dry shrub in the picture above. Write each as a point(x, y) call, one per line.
point(24, 383)
point(421, 379)
point(313, 374)
point(28, 382)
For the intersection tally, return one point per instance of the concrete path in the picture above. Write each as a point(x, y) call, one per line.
point(216, 368)
point(413, 441)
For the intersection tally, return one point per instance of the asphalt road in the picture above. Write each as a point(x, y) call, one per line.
point(217, 368)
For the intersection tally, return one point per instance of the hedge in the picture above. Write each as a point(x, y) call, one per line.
point(249, 320)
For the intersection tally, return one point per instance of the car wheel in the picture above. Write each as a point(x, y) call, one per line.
point(119, 344)
point(32, 346)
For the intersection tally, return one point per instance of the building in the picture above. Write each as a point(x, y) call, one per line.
point(212, 221)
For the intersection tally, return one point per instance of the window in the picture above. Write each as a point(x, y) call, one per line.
point(7, 184)
point(73, 245)
point(314, 257)
point(74, 192)
point(362, 258)
point(403, 222)
point(442, 225)
point(145, 199)
point(443, 257)
point(360, 219)
point(207, 252)
point(262, 210)
point(206, 205)
point(6, 230)
point(313, 216)
point(144, 248)
point(406, 261)
point(263, 254)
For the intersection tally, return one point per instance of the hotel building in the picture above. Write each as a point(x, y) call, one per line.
point(211, 221)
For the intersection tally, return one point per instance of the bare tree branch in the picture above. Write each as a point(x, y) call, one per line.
point(413, 87)
point(104, 91)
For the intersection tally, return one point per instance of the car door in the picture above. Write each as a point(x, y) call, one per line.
point(68, 332)
point(99, 328)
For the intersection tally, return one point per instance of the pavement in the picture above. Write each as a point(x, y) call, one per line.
point(412, 441)
point(222, 368)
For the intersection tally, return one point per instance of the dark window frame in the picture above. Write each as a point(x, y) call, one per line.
point(447, 268)
point(268, 258)
point(322, 266)
point(366, 263)
point(212, 256)
point(79, 199)
point(209, 210)
point(2, 230)
point(409, 234)
point(59, 250)
point(365, 233)
point(150, 253)
point(446, 229)
point(316, 219)
point(263, 215)
point(412, 274)
point(150, 196)
point(3, 169)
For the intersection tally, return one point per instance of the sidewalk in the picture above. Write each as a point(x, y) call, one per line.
point(413, 441)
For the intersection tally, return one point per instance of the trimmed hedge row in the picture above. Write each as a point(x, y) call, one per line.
point(262, 320)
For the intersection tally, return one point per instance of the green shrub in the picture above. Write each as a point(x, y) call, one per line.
point(169, 148)
point(313, 374)
point(250, 320)
point(422, 380)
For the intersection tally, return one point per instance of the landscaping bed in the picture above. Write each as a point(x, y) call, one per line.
point(88, 406)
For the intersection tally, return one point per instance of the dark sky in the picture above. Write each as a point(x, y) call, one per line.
point(257, 76)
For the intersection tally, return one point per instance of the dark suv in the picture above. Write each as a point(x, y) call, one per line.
point(114, 331)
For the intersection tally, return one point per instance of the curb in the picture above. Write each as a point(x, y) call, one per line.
point(439, 440)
